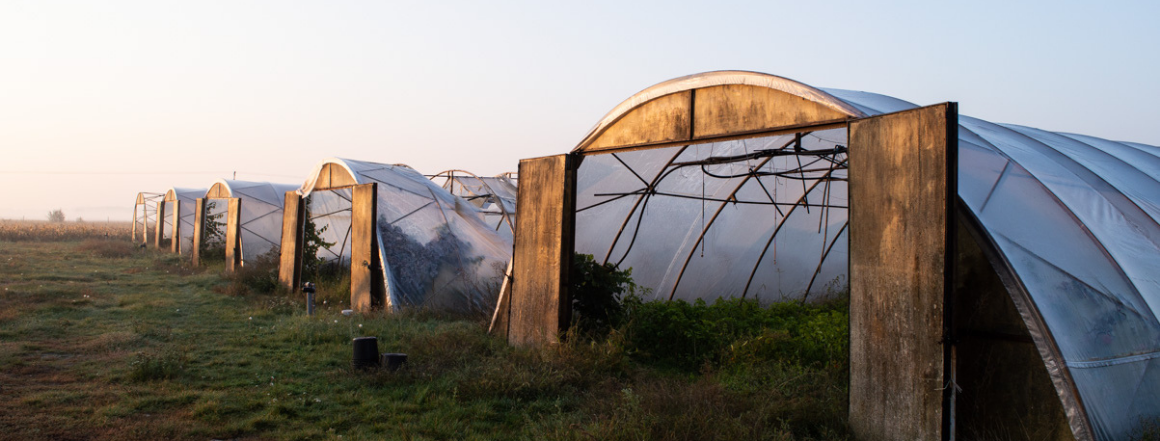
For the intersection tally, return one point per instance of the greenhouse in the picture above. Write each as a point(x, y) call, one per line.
point(1035, 253)
point(412, 243)
point(177, 214)
point(145, 215)
point(257, 229)
point(495, 196)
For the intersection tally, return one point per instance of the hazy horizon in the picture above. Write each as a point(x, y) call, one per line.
point(101, 101)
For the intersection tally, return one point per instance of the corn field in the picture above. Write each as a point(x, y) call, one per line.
point(41, 231)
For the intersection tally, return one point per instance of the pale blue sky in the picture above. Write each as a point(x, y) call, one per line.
point(270, 88)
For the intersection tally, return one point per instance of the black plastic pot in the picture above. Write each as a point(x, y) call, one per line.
point(366, 353)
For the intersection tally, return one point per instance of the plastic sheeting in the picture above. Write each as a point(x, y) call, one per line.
point(495, 197)
point(436, 250)
point(1074, 217)
point(188, 199)
point(261, 216)
point(773, 226)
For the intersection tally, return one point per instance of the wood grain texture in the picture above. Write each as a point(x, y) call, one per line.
point(664, 119)
point(544, 240)
point(218, 191)
point(900, 188)
point(233, 234)
point(159, 229)
point(175, 241)
point(733, 109)
point(198, 231)
point(363, 248)
point(290, 260)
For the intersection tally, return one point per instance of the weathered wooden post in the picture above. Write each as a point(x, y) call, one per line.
point(175, 242)
point(539, 306)
point(367, 289)
point(290, 261)
point(902, 197)
point(233, 234)
point(198, 230)
point(160, 230)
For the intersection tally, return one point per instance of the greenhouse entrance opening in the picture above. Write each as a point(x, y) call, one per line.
point(407, 241)
point(327, 235)
point(145, 216)
point(760, 218)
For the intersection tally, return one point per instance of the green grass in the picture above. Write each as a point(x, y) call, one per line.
point(140, 346)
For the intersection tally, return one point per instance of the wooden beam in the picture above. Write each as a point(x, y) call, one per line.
point(233, 234)
point(198, 230)
point(366, 290)
point(290, 260)
point(159, 232)
point(902, 190)
point(544, 242)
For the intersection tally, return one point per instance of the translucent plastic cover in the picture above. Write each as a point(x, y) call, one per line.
point(437, 251)
point(188, 206)
point(1076, 220)
point(761, 218)
point(261, 216)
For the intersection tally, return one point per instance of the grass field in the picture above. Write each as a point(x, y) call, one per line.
point(102, 340)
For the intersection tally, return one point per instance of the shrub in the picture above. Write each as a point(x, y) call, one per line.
point(596, 292)
point(258, 274)
point(688, 335)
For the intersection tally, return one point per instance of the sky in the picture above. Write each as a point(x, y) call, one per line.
point(101, 100)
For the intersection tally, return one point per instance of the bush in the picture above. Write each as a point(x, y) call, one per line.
point(596, 292)
point(688, 335)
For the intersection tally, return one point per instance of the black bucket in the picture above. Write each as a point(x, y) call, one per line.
point(366, 353)
point(394, 361)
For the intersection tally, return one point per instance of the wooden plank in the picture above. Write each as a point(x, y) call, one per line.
point(544, 241)
point(159, 232)
point(738, 108)
point(364, 260)
point(218, 191)
point(175, 241)
point(503, 308)
point(233, 234)
point(663, 119)
point(290, 260)
point(198, 230)
point(902, 188)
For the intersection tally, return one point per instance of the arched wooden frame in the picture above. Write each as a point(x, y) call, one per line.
point(368, 289)
point(144, 208)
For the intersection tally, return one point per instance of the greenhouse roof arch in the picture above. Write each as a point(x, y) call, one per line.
point(434, 247)
point(1068, 221)
point(185, 201)
point(495, 195)
point(260, 220)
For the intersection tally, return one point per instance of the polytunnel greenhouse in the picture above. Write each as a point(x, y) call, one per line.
point(257, 227)
point(494, 195)
point(145, 216)
point(177, 216)
point(1039, 261)
point(407, 241)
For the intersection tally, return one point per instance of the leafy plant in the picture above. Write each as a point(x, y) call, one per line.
point(596, 291)
point(56, 215)
point(312, 264)
point(213, 243)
